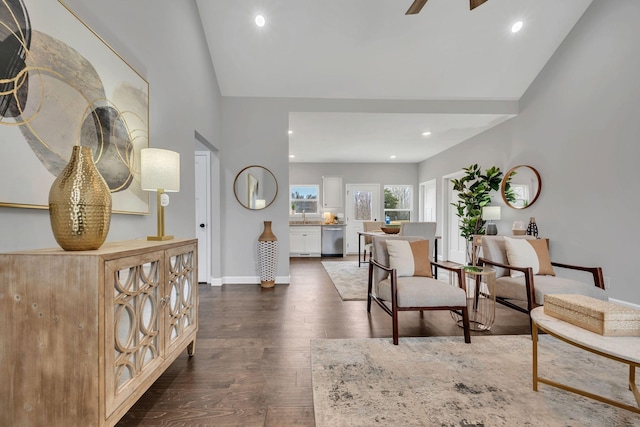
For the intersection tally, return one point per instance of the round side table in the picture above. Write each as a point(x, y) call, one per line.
point(481, 299)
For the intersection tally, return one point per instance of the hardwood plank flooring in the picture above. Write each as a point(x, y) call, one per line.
point(252, 362)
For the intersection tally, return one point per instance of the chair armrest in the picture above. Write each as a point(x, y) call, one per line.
point(598, 278)
point(528, 279)
point(383, 267)
point(455, 269)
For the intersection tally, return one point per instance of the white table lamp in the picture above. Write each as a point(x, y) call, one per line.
point(160, 172)
point(491, 213)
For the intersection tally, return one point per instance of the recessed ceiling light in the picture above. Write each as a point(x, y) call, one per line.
point(291, 156)
point(392, 157)
point(290, 132)
point(517, 27)
point(260, 21)
point(427, 133)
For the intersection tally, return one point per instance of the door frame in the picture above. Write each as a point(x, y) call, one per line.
point(444, 210)
point(204, 259)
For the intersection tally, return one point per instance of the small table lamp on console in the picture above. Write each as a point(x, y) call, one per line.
point(491, 213)
point(160, 172)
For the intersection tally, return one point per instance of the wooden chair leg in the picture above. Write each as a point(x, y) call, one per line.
point(394, 317)
point(465, 325)
point(369, 287)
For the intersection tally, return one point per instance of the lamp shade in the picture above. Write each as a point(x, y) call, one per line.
point(491, 213)
point(159, 169)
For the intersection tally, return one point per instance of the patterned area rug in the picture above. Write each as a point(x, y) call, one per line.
point(349, 279)
point(441, 381)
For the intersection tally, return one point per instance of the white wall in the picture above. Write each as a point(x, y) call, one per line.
point(163, 41)
point(579, 126)
point(255, 131)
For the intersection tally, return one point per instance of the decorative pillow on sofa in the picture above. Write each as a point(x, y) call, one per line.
point(532, 253)
point(409, 258)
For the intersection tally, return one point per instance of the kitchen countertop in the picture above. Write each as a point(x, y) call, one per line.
point(320, 223)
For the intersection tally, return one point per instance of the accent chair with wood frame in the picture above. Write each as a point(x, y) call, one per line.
point(395, 292)
point(526, 292)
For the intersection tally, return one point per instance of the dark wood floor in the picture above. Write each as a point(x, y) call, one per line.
point(252, 361)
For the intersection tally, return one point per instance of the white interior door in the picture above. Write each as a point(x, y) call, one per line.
point(362, 204)
point(429, 204)
point(203, 214)
point(456, 246)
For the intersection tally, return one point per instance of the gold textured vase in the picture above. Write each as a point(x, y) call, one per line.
point(80, 204)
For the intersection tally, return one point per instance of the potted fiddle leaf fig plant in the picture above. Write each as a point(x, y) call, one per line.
point(474, 192)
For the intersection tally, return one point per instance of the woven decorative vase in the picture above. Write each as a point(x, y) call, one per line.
point(80, 204)
point(267, 256)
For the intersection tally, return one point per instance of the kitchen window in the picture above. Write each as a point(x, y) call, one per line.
point(398, 201)
point(304, 198)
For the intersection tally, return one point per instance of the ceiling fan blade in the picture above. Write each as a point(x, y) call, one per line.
point(475, 3)
point(416, 7)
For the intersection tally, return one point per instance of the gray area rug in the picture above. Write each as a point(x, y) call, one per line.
point(349, 279)
point(440, 381)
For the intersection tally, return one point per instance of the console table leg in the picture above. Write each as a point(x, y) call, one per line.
point(632, 383)
point(191, 348)
point(534, 338)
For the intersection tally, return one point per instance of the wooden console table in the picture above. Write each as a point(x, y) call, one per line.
point(622, 349)
point(84, 334)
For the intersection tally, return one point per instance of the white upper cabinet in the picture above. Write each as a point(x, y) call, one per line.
point(332, 192)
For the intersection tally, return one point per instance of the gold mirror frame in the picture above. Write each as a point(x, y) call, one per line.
point(255, 187)
point(530, 198)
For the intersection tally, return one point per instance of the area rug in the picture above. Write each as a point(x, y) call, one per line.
point(441, 381)
point(349, 279)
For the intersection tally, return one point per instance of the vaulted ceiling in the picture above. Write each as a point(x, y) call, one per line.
point(369, 49)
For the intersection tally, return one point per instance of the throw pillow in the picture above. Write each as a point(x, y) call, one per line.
point(532, 253)
point(409, 258)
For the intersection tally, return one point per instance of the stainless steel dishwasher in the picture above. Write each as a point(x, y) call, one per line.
point(332, 240)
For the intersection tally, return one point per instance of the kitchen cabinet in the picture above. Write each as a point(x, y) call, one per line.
point(332, 192)
point(84, 334)
point(304, 240)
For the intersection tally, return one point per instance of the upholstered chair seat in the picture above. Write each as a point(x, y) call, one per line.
point(515, 288)
point(422, 292)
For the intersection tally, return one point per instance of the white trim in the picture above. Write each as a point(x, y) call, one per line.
point(252, 280)
point(215, 281)
point(625, 303)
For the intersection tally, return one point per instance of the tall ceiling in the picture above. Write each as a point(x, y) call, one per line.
point(369, 49)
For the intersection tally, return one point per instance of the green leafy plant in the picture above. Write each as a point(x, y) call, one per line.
point(474, 192)
point(390, 200)
point(509, 194)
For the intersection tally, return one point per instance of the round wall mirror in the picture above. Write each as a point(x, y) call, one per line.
point(255, 187)
point(521, 186)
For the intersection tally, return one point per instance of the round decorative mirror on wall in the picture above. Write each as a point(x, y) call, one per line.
point(255, 187)
point(521, 186)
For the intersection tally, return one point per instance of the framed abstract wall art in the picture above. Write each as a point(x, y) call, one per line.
point(61, 85)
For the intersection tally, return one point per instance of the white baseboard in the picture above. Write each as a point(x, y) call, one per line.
point(253, 280)
point(216, 281)
point(628, 304)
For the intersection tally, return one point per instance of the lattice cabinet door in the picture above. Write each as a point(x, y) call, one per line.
point(134, 330)
point(181, 297)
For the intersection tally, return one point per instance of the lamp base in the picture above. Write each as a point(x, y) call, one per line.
point(492, 229)
point(159, 237)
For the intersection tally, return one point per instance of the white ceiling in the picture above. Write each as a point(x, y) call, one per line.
point(369, 49)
